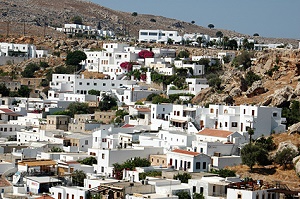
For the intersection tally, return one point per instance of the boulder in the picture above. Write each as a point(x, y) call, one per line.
point(257, 88)
point(286, 144)
point(295, 128)
point(235, 92)
point(297, 90)
point(296, 163)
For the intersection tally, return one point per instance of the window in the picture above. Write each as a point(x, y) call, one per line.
point(157, 160)
point(244, 111)
point(194, 189)
point(189, 165)
point(253, 112)
point(275, 114)
point(204, 165)
point(144, 33)
point(153, 33)
point(234, 124)
point(86, 142)
point(87, 83)
point(102, 169)
point(104, 84)
point(163, 109)
point(211, 110)
point(59, 195)
point(95, 84)
point(197, 165)
point(201, 189)
point(67, 196)
point(239, 196)
point(225, 124)
point(80, 83)
point(103, 155)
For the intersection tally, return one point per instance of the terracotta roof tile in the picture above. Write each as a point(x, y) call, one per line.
point(185, 152)
point(127, 126)
point(144, 109)
point(215, 133)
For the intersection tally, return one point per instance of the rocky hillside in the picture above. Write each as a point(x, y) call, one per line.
point(32, 15)
point(274, 89)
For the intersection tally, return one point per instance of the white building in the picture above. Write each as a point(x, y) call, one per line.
point(188, 160)
point(159, 36)
point(83, 29)
point(106, 158)
point(211, 187)
point(77, 84)
point(251, 190)
point(267, 46)
point(69, 192)
point(21, 50)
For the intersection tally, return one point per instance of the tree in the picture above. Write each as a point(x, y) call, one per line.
point(77, 20)
point(252, 154)
point(94, 92)
point(120, 114)
point(285, 156)
point(214, 81)
point(255, 34)
point(183, 54)
point(219, 34)
point(210, 26)
point(170, 41)
point(243, 60)
point(107, 102)
point(74, 58)
point(251, 77)
point(56, 149)
point(134, 14)
point(192, 22)
point(4, 91)
point(232, 44)
point(88, 161)
point(130, 164)
point(151, 96)
point(183, 195)
point(78, 177)
point(198, 196)
point(24, 91)
point(146, 54)
point(78, 108)
point(152, 20)
point(184, 178)
point(29, 70)
point(225, 173)
point(265, 143)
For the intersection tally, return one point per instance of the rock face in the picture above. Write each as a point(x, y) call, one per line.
point(296, 163)
point(257, 88)
point(295, 128)
point(287, 144)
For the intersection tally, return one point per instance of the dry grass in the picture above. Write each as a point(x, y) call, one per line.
point(274, 172)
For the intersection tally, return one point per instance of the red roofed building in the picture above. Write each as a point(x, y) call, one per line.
point(188, 160)
point(216, 135)
point(7, 115)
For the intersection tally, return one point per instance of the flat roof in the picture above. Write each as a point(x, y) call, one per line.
point(37, 163)
point(43, 179)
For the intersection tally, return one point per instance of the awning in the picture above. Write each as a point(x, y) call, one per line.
point(179, 121)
